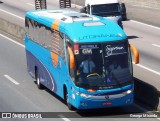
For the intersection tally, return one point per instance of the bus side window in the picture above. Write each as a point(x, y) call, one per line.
point(42, 35)
point(36, 33)
point(26, 26)
point(49, 37)
point(33, 30)
point(57, 44)
point(30, 29)
point(39, 33)
point(61, 46)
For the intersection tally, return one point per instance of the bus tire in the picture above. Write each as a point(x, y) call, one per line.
point(37, 76)
point(66, 100)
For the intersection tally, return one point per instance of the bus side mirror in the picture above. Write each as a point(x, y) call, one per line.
point(123, 7)
point(88, 9)
point(83, 10)
point(135, 53)
point(71, 58)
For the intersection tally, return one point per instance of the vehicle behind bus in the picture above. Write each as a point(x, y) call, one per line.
point(110, 9)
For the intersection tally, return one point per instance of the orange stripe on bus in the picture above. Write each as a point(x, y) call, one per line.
point(54, 58)
point(55, 25)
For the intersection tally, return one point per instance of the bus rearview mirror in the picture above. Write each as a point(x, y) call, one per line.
point(135, 53)
point(71, 59)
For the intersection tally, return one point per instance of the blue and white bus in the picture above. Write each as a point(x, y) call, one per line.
point(60, 43)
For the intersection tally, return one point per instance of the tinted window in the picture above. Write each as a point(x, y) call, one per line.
point(45, 36)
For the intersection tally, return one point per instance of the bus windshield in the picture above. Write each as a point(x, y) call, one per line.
point(103, 66)
point(106, 10)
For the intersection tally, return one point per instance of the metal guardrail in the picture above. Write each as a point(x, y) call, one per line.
point(65, 3)
point(40, 4)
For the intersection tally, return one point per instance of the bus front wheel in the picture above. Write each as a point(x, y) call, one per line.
point(37, 76)
point(67, 101)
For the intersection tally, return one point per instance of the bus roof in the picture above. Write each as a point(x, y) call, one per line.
point(79, 27)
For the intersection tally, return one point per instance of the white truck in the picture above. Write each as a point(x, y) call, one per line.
point(110, 9)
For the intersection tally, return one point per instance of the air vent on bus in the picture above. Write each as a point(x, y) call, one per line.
point(93, 24)
point(81, 18)
point(63, 19)
point(55, 11)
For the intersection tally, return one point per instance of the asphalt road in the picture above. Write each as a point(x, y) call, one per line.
point(147, 40)
point(26, 97)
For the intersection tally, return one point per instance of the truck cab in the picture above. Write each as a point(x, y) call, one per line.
point(109, 9)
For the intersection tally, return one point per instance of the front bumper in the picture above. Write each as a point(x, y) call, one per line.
point(104, 101)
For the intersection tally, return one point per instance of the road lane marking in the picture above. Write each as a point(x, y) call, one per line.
point(12, 40)
point(146, 68)
point(30, 4)
point(12, 14)
point(11, 79)
point(156, 45)
point(145, 24)
point(64, 118)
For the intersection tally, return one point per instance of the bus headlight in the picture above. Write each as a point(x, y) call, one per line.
point(129, 91)
point(82, 94)
point(85, 95)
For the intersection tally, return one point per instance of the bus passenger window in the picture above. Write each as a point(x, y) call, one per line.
point(27, 26)
point(48, 40)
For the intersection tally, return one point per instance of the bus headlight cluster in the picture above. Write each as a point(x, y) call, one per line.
point(129, 91)
point(85, 95)
point(82, 94)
